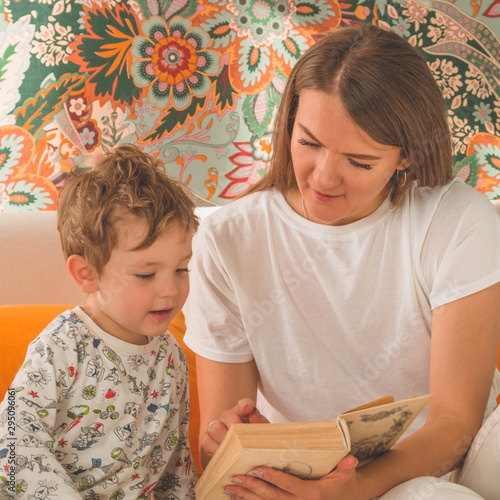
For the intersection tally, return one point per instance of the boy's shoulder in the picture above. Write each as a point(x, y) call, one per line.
point(69, 341)
point(64, 330)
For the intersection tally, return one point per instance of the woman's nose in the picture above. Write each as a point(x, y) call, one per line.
point(327, 172)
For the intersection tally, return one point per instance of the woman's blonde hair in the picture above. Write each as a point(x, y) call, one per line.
point(123, 182)
point(387, 90)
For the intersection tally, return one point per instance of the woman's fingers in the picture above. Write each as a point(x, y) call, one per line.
point(268, 483)
point(213, 436)
point(217, 429)
point(244, 411)
point(265, 482)
point(247, 411)
point(256, 487)
point(348, 462)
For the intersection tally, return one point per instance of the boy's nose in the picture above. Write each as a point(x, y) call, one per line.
point(168, 288)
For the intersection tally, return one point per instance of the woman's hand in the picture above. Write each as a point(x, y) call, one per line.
point(243, 412)
point(267, 483)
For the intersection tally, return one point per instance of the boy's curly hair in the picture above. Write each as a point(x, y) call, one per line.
point(123, 182)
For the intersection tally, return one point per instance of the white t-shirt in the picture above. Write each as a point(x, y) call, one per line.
point(336, 316)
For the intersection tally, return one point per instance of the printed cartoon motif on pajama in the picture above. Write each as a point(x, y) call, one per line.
point(100, 416)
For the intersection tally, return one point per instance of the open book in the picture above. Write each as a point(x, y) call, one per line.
point(308, 450)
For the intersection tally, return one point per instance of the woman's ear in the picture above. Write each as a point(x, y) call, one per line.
point(83, 273)
point(405, 163)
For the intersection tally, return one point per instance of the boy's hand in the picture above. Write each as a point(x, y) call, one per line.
point(244, 411)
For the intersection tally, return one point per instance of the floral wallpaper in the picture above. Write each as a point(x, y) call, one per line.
point(197, 84)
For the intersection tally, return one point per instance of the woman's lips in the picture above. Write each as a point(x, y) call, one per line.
point(324, 197)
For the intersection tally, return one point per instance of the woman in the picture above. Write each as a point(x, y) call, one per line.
point(357, 267)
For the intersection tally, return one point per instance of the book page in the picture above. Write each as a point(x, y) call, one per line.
point(374, 430)
point(377, 402)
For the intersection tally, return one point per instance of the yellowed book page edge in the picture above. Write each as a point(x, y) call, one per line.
point(307, 464)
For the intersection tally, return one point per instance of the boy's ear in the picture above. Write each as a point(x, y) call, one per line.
point(82, 273)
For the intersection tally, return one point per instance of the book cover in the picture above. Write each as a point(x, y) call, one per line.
point(309, 450)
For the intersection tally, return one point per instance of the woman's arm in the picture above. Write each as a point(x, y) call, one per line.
point(220, 387)
point(464, 348)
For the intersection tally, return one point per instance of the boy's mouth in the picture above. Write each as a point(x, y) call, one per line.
point(161, 314)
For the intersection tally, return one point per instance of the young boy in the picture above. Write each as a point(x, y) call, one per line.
point(102, 400)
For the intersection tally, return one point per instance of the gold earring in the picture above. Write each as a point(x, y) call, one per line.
point(398, 180)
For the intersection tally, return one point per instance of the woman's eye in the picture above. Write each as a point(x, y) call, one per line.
point(145, 276)
point(360, 165)
point(303, 142)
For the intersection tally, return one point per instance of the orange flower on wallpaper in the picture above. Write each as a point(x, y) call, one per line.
point(172, 62)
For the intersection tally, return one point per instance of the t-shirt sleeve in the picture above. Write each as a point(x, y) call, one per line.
point(460, 255)
point(28, 417)
point(214, 325)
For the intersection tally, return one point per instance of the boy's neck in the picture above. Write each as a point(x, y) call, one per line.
point(105, 323)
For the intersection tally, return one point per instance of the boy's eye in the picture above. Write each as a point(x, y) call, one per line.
point(183, 270)
point(145, 276)
point(360, 165)
point(303, 142)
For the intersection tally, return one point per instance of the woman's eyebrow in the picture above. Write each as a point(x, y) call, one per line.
point(362, 156)
point(309, 133)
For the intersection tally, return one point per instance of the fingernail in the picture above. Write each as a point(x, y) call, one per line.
point(228, 492)
point(237, 480)
point(256, 473)
point(210, 425)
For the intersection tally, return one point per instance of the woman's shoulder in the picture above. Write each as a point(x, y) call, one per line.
point(244, 209)
point(454, 199)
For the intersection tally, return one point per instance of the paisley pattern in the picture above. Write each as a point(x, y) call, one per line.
point(261, 35)
point(25, 172)
point(197, 84)
point(481, 166)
